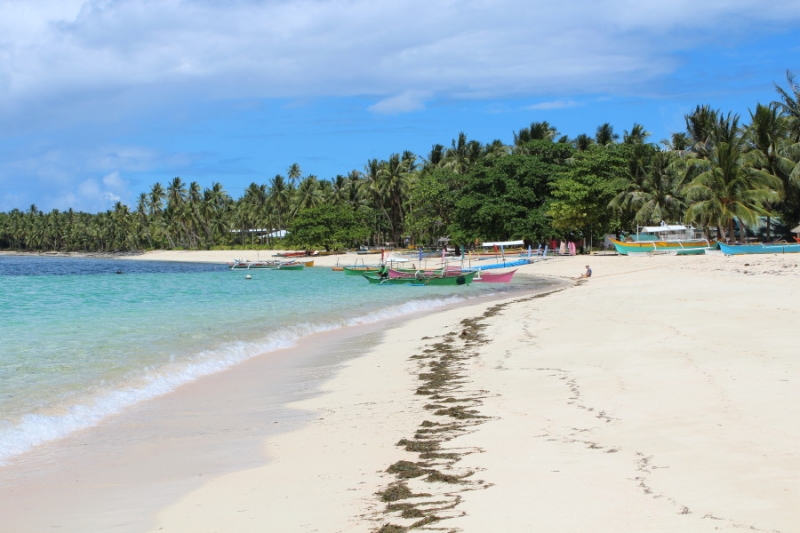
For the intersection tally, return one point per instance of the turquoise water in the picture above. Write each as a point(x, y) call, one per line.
point(83, 339)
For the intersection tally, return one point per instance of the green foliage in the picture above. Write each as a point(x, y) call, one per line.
point(506, 198)
point(431, 204)
point(537, 188)
point(328, 226)
point(585, 187)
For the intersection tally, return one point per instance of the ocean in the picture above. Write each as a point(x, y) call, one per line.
point(82, 339)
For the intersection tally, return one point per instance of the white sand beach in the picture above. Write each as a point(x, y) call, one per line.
point(660, 395)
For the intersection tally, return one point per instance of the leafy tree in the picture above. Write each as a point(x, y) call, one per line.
point(506, 198)
point(431, 204)
point(329, 226)
point(584, 188)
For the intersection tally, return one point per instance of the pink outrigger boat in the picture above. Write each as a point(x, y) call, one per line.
point(494, 277)
point(482, 277)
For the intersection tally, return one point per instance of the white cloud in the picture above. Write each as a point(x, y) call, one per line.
point(94, 195)
point(177, 48)
point(80, 79)
point(401, 103)
point(554, 104)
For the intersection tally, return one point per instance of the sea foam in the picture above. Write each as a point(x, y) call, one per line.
point(34, 429)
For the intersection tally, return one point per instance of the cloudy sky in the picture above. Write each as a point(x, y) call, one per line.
point(100, 99)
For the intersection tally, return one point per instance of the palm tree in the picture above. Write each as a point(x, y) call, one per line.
point(654, 193)
point(605, 134)
point(582, 142)
point(393, 181)
point(309, 194)
point(678, 142)
point(462, 154)
point(637, 135)
point(436, 157)
point(701, 126)
point(494, 150)
point(537, 131)
point(789, 104)
point(729, 189)
point(294, 173)
point(767, 137)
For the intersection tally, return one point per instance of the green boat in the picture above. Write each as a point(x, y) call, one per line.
point(464, 278)
point(360, 270)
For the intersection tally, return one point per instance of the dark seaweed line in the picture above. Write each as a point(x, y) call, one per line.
point(455, 411)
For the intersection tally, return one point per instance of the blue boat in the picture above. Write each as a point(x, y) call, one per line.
point(759, 248)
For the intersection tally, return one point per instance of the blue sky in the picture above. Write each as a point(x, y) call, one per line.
point(101, 99)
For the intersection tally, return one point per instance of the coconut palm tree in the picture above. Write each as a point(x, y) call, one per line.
point(605, 134)
point(294, 173)
point(789, 104)
point(393, 182)
point(729, 188)
point(678, 142)
point(654, 193)
point(582, 142)
point(309, 194)
point(435, 157)
point(536, 131)
point(637, 135)
point(701, 128)
point(462, 154)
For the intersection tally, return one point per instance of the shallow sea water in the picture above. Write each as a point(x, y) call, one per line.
point(83, 339)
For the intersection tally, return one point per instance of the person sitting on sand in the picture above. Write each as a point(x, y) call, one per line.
point(588, 273)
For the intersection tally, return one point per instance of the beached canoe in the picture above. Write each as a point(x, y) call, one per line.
point(495, 277)
point(296, 253)
point(678, 247)
point(759, 248)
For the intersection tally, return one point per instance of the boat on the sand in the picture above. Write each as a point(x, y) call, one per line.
point(759, 248)
point(664, 239)
point(301, 253)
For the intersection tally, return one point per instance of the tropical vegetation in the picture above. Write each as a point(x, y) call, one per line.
point(721, 174)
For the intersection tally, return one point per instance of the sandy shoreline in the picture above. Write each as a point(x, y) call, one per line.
point(663, 394)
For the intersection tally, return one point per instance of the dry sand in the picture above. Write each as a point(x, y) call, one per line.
point(661, 395)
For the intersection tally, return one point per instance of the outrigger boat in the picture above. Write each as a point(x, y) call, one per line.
point(759, 248)
point(297, 253)
point(269, 265)
point(461, 278)
point(664, 239)
point(357, 269)
point(481, 276)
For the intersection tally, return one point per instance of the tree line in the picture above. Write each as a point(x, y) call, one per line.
point(722, 174)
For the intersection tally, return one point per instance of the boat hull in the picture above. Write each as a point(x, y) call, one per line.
point(359, 270)
point(460, 279)
point(268, 265)
point(664, 247)
point(747, 249)
point(495, 277)
point(481, 277)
